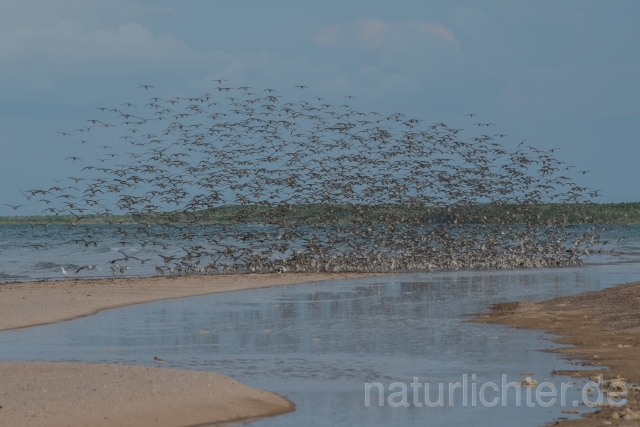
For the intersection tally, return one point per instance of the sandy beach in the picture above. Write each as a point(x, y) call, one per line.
point(603, 328)
point(80, 395)
point(38, 303)
point(77, 394)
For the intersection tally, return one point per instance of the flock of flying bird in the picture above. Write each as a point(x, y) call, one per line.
point(240, 180)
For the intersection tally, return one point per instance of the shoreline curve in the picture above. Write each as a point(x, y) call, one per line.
point(39, 394)
point(26, 304)
point(35, 394)
point(603, 330)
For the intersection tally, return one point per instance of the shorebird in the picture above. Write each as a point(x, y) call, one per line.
point(88, 267)
point(65, 272)
point(256, 182)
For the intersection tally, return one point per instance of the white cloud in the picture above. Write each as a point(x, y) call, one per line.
point(441, 30)
point(370, 32)
point(67, 42)
point(381, 57)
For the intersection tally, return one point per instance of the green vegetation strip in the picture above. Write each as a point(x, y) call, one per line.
point(606, 213)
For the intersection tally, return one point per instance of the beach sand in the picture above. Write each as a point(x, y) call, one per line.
point(76, 394)
point(603, 328)
point(37, 303)
point(80, 395)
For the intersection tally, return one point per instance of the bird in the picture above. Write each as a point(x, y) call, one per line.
point(261, 183)
point(88, 267)
point(65, 272)
point(158, 360)
point(15, 207)
point(126, 257)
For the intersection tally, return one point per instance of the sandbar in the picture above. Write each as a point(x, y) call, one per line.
point(78, 394)
point(38, 303)
point(603, 329)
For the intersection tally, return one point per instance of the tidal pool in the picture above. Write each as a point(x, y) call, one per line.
point(318, 344)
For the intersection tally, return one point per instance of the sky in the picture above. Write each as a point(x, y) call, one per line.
point(559, 74)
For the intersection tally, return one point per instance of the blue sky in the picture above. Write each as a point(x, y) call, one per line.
point(560, 74)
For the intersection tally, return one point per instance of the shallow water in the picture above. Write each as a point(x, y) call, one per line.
point(318, 344)
point(21, 261)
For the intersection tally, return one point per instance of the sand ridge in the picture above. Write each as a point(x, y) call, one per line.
point(37, 303)
point(49, 394)
point(39, 394)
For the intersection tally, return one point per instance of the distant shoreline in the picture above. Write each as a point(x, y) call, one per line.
point(613, 213)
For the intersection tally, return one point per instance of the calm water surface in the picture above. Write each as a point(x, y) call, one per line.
point(318, 344)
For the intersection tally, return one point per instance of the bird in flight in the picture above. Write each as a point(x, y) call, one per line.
point(279, 160)
point(15, 207)
point(88, 267)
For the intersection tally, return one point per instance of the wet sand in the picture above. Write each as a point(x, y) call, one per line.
point(37, 303)
point(77, 394)
point(603, 328)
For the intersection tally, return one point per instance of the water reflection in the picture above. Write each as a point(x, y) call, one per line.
point(319, 343)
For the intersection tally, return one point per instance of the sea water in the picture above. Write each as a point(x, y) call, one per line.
point(320, 344)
